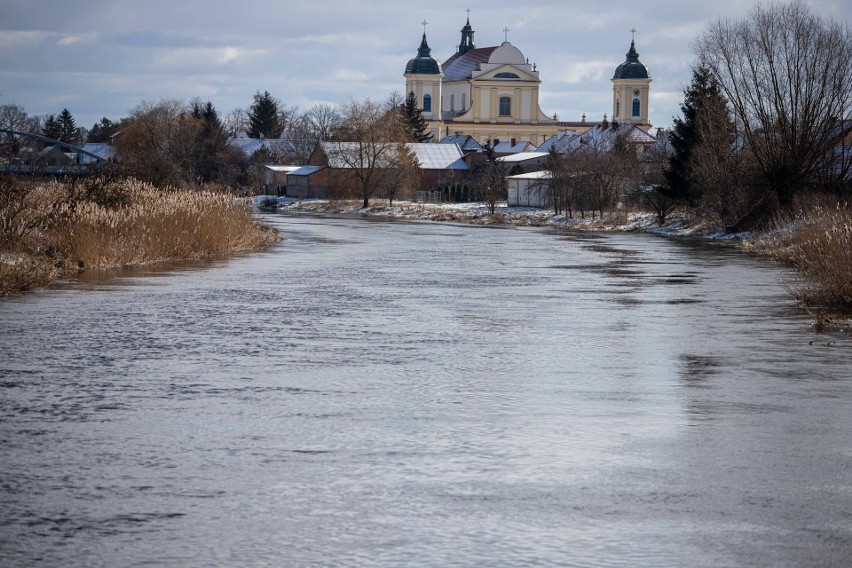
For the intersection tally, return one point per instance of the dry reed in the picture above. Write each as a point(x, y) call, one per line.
point(48, 229)
point(819, 246)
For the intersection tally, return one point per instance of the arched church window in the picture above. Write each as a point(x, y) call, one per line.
point(464, 101)
point(617, 109)
point(427, 103)
point(505, 75)
point(452, 102)
point(636, 107)
point(505, 106)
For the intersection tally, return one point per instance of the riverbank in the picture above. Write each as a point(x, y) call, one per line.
point(52, 229)
point(818, 245)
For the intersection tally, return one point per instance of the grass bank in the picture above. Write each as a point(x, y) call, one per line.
point(818, 244)
point(51, 229)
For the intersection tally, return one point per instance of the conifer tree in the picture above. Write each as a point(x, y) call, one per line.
point(68, 127)
point(702, 98)
point(415, 124)
point(264, 117)
point(51, 127)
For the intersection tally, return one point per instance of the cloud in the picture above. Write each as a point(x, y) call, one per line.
point(77, 39)
point(11, 39)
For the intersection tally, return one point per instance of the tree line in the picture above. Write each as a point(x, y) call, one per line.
point(172, 142)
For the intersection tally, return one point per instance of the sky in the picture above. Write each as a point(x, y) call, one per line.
point(104, 57)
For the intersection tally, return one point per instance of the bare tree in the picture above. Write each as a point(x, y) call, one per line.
point(489, 183)
point(323, 121)
point(785, 72)
point(402, 179)
point(369, 147)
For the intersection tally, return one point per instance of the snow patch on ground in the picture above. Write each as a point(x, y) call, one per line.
point(478, 214)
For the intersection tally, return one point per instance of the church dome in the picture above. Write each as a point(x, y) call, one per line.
point(507, 54)
point(423, 64)
point(632, 68)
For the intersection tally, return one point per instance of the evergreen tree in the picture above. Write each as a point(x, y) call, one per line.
point(264, 118)
point(51, 127)
point(68, 127)
point(702, 97)
point(412, 117)
point(209, 152)
point(102, 131)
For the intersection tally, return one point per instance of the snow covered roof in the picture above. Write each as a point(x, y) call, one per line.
point(509, 148)
point(429, 156)
point(305, 171)
point(251, 145)
point(521, 157)
point(465, 141)
point(101, 150)
point(542, 174)
point(286, 169)
point(439, 156)
point(601, 137)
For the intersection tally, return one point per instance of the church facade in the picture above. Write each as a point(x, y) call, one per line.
point(492, 93)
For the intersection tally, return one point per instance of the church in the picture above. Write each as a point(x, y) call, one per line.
point(492, 93)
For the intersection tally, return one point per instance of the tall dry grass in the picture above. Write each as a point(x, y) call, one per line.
point(818, 244)
point(49, 229)
point(822, 253)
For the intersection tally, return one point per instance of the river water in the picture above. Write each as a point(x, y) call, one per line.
point(386, 393)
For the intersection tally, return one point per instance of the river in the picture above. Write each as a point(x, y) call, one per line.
point(373, 393)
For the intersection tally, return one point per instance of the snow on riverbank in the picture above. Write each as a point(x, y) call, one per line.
point(478, 214)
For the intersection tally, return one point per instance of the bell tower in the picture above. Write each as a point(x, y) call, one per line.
point(423, 76)
point(631, 90)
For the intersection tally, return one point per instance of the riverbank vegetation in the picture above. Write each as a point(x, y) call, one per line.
point(48, 229)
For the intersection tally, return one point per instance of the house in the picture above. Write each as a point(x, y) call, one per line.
point(524, 162)
point(442, 167)
point(528, 189)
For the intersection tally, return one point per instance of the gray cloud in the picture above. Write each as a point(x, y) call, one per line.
point(102, 58)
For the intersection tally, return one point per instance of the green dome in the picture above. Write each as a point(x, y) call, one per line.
point(632, 68)
point(423, 64)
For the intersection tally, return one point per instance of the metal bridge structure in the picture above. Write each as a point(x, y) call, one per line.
point(25, 153)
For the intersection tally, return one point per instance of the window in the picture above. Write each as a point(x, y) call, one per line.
point(427, 103)
point(506, 76)
point(635, 107)
point(452, 102)
point(464, 101)
point(617, 109)
point(505, 106)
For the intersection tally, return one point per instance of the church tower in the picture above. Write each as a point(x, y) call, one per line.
point(423, 77)
point(466, 38)
point(631, 89)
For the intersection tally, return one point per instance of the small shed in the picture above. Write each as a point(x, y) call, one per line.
point(275, 179)
point(529, 190)
point(307, 182)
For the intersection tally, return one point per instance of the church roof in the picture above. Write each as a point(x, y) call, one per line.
point(461, 67)
point(423, 64)
point(632, 68)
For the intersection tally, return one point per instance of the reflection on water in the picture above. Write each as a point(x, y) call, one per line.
point(371, 393)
